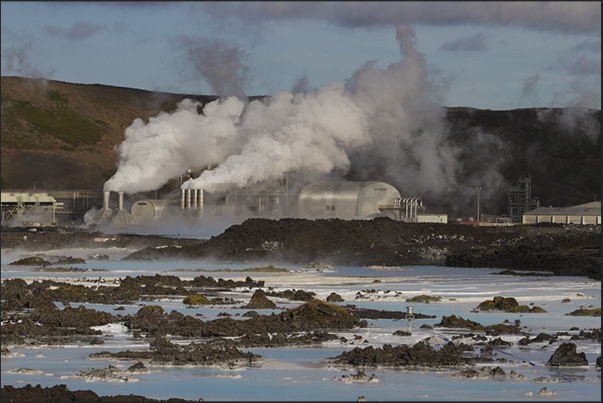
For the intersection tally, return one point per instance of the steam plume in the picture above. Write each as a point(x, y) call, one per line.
point(381, 125)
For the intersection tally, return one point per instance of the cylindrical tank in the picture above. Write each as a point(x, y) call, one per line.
point(345, 200)
point(147, 209)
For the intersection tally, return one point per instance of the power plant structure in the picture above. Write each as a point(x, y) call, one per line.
point(521, 200)
point(317, 200)
point(118, 218)
point(24, 205)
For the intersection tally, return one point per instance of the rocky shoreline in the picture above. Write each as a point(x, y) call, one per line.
point(563, 250)
point(557, 249)
point(543, 249)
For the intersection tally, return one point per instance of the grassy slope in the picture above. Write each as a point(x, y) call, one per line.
point(63, 136)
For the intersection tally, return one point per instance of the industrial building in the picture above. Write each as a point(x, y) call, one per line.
point(63, 206)
point(38, 206)
point(588, 213)
point(521, 200)
point(318, 200)
point(147, 210)
point(355, 200)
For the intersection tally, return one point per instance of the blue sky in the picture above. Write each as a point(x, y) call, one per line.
point(487, 55)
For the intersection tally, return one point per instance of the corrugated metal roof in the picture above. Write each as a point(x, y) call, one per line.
point(26, 197)
point(593, 204)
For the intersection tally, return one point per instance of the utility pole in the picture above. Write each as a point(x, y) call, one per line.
point(478, 190)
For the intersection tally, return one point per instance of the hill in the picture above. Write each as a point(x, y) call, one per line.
point(58, 135)
point(62, 136)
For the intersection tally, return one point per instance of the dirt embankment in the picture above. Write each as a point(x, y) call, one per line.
point(565, 250)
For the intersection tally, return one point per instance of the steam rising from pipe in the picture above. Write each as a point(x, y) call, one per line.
point(381, 123)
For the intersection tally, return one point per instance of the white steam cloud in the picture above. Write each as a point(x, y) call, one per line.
point(310, 133)
point(380, 125)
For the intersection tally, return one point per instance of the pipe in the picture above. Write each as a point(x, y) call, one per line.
point(188, 198)
point(194, 198)
point(120, 203)
point(106, 196)
point(406, 202)
point(182, 198)
point(200, 199)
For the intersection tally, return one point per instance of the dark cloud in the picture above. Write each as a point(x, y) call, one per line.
point(570, 17)
point(79, 30)
point(473, 43)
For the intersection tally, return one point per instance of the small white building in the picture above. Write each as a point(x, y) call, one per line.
point(438, 218)
point(588, 213)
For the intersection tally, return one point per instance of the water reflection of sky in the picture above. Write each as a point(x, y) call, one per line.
point(302, 373)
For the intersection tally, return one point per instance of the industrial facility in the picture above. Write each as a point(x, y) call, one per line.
point(317, 200)
point(39, 206)
point(48, 206)
point(588, 213)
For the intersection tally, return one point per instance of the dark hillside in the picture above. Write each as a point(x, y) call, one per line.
point(560, 149)
point(58, 135)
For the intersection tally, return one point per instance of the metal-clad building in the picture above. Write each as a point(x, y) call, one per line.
point(147, 209)
point(588, 213)
point(34, 205)
point(345, 200)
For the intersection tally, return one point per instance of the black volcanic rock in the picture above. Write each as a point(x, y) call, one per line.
point(259, 301)
point(566, 250)
point(566, 356)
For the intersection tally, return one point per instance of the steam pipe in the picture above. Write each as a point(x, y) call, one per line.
point(106, 195)
point(120, 205)
point(194, 198)
point(200, 199)
point(188, 198)
point(182, 198)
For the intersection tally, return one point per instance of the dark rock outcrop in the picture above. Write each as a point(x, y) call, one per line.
point(259, 301)
point(419, 355)
point(567, 356)
point(60, 393)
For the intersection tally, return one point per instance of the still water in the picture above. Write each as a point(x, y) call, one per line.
point(302, 374)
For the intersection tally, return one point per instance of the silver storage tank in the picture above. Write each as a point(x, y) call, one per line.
point(147, 209)
point(345, 200)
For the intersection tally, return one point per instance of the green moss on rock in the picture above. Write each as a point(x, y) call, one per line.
point(31, 261)
point(499, 304)
point(585, 312)
point(334, 297)
point(426, 299)
point(197, 300)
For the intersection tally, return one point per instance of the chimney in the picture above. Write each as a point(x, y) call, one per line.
point(201, 201)
point(182, 198)
point(120, 205)
point(106, 196)
point(194, 197)
point(188, 198)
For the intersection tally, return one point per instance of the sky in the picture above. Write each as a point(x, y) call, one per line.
point(486, 55)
